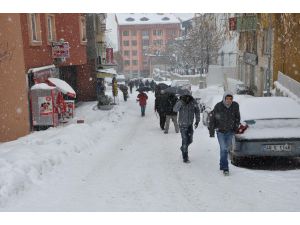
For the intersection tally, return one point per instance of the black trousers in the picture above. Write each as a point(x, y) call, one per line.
point(162, 120)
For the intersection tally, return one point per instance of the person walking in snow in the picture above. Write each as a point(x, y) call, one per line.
point(160, 107)
point(188, 108)
point(142, 98)
point(131, 84)
point(225, 119)
point(170, 114)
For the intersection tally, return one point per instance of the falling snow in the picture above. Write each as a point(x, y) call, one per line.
point(19, 110)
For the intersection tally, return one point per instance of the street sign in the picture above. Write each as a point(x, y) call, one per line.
point(60, 50)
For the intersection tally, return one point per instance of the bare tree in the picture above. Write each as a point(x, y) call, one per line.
point(200, 46)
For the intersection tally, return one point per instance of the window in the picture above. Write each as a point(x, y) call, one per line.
point(126, 53)
point(126, 62)
point(144, 19)
point(51, 34)
point(126, 43)
point(133, 33)
point(266, 45)
point(83, 39)
point(157, 32)
point(134, 62)
point(145, 33)
point(165, 18)
point(134, 53)
point(133, 43)
point(34, 29)
point(157, 42)
point(125, 33)
point(172, 32)
point(145, 62)
point(129, 19)
point(145, 42)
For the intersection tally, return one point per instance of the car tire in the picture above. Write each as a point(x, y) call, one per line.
point(235, 160)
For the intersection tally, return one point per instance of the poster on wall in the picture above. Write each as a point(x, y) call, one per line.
point(109, 55)
point(45, 105)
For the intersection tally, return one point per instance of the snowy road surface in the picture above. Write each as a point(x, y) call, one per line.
point(126, 163)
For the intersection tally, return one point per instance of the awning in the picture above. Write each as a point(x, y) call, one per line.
point(102, 73)
point(37, 69)
point(62, 86)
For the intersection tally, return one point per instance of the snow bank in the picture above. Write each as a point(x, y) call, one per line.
point(28, 159)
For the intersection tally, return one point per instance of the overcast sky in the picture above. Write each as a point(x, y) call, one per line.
point(111, 26)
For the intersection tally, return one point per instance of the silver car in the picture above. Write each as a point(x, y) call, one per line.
point(273, 129)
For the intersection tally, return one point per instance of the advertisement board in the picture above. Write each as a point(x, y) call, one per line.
point(60, 50)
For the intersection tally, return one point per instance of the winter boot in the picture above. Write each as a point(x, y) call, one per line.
point(226, 172)
point(185, 157)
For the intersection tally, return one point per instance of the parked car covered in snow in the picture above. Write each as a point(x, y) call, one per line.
point(184, 84)
point(273, 129)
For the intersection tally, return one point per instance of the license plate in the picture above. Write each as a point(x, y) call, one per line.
point(278, 148)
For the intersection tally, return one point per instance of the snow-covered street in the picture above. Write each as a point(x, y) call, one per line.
point(120, 161)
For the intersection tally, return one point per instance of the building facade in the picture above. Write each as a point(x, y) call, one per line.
point(38, 33)
point(268, 44)
point(14, 110)
point(142, 39)
point(26, 42)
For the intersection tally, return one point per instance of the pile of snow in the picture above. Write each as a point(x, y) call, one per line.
point(286, 91)
point(63, 86)
point(27, 160)
point(42, 86)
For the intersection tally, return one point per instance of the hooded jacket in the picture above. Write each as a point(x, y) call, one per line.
point(187, 112)
point(224, 117)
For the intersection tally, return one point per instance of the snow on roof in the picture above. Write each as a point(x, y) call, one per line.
point(269, 108)
point(120, 76)
point(110, 70)
point(63, 86)
point(43, 86)
point(146, 18)
point(34, 70)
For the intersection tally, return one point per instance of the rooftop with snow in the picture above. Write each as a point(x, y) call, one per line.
point(146, 18)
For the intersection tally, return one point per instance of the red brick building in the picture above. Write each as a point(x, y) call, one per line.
point(27, 55)
point(40, 30)
point(142, 35)
point(14, 107)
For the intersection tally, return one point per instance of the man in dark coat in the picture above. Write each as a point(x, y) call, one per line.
point(188, 108)
point(170, 114)
point(131, 84)
point(160, 107)
point(225, 118)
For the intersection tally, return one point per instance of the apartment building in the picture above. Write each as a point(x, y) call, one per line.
point(142, 39)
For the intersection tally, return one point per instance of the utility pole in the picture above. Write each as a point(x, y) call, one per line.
point(269, 56)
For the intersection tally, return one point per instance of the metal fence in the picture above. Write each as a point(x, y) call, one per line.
point(289, 83)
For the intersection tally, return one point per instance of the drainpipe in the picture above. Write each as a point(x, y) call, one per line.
point(269, 56)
